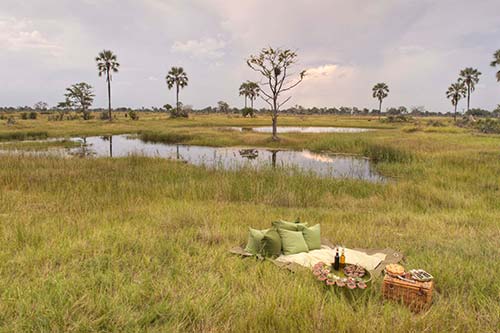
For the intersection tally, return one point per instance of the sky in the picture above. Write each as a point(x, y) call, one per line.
point(417, 47)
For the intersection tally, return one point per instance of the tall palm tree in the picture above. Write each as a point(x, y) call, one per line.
point(244, 91)
point(470, 77)
point(380, 91)
point(177, 77)
point(253, 92)
point(250, 90)
point(456, 92)
point(107, 63)
point(496, 62)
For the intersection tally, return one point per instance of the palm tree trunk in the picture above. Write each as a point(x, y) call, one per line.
point(455, 114)
point(468, 97)
point(379, 108)
point(177, 99)
point(251, 102)
point(109, 96)
point(245, 101)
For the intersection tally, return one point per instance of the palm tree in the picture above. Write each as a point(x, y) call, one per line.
point(456, 92)
point(380, 91)
point(495, 62)
point(253, 92)
point(250, 90)
point(107, 63)
point(178, 77)
point(244, 91)
point(470, 77)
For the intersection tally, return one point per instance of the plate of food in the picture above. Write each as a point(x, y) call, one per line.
point(351, 277)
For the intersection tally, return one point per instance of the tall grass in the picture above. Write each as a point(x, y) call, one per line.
point(23, 135)
point(139, 244)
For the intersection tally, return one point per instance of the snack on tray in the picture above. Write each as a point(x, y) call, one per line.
point(394, 269)
point(354, 271)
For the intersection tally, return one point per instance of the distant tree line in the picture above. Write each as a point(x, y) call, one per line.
point(224, 108)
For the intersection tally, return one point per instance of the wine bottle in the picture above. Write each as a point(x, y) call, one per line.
point(336, 264)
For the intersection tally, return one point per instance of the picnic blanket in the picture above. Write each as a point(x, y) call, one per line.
point(327, 255)
point(373, 260)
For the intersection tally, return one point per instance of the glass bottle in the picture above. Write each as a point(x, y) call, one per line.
point(336, 264)
point(342, 260)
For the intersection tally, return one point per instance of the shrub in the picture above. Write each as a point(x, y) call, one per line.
point(133, 115)
point(33, 115)
point(24, 115)
point(247, 112)
point(397, 119)
point(435, 123)
point(86, 115)
point(489, 126)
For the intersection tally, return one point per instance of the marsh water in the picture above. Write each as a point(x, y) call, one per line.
point(326, 165)
point(309, 129)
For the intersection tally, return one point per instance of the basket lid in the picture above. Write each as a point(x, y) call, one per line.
point(417, 285)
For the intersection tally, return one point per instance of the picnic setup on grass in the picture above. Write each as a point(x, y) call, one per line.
point(296, 245)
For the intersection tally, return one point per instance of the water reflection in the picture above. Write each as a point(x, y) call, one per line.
point(249, 153)
point(229, 158)
point(84, 150)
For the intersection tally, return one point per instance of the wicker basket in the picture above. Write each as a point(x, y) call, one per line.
point(417, 296)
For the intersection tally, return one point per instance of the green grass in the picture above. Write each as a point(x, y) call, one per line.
point(133, 244)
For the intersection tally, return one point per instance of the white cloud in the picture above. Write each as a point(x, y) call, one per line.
point(210, 48)
point(19, 34)
point(325, 70)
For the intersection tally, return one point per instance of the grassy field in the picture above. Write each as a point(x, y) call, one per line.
point(134, 244)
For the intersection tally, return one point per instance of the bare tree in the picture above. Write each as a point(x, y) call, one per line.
point(274, 65)
point(41, 106)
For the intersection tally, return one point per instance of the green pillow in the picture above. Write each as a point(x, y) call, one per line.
point(271, 243)
point(312, 236)
point(292, 241)
point(255, 237)
point(292, 226)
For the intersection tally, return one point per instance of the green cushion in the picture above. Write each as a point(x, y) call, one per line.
point(255, 237)
point(292, 241)
point(312, 236)
point(292, 226)
point(271, 243)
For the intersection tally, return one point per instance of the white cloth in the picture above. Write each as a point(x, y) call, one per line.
point(327, 255)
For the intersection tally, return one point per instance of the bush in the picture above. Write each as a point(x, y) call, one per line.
point(133, 115)
point(488, 126)
point(247, 112)
point(24, 115)
point(11, 121)
point(104, 115)
point(33, 115)
point(435, 123)
point(397, 119)
point(86, 115)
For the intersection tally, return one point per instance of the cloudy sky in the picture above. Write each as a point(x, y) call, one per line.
point(416, 46)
